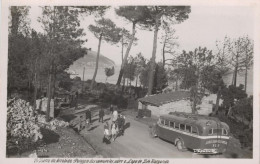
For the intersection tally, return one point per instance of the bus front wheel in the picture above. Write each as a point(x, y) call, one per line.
point(152, 131)
point(180, 145)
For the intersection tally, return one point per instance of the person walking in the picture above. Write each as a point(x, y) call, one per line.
point(106, 137)
point(111, 108)
point(121, 122)
point(101, 114)
point(115, 116)
point(88, 115)
point(76, 100)
point(114, 130)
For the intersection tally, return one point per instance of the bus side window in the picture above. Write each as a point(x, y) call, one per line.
point(171, 124)
point(166, 123)
point(162, 121)
point(188, 128)
point(182, 127)
point(176, 125)
point(224, 132)
point(194, 130)
point(210, 131)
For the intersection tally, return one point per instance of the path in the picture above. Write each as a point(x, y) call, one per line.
point(136, 143)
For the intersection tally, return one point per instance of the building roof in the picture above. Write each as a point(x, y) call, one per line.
point(165, 98)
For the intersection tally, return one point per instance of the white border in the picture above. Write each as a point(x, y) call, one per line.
point(4, 47)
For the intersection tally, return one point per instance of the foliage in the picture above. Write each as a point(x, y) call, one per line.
point(20, 22)
point(89, 10)
point(109, 72)
point(138, 16)
point(63, 33)
point(232, 94)
point(64, 81)
point(106, 30)
point(169, 41)
point(22, 128)
point(244, 108)
point(196, 70)
point(160, 80)
point(239, 53)
point(171, 14)
point(130, 69)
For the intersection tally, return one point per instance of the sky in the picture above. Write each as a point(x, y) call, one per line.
point(205, 25)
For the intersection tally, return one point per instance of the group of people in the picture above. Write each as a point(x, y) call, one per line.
point(115, 129)
point(112, 129)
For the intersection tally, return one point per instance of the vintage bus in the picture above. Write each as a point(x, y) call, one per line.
point(203, 134)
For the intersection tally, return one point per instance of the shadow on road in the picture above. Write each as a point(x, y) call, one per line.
point(127, 125)
point(49, 136)
point(92, 121)
point(68, 118)
point(106, 119)
point(94, 127)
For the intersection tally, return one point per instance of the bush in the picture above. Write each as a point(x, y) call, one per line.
point(22, 128)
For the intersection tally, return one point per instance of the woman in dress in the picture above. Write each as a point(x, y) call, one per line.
point(114, 130)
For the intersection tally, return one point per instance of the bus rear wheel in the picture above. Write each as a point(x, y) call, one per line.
point(180, 145)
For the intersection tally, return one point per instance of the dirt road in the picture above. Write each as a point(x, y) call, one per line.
point(136, 143)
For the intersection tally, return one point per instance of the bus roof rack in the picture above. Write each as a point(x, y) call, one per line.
point(192, 116)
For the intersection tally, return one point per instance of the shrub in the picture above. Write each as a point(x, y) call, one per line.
point(22, 128)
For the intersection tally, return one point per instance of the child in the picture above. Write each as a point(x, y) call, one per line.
point(106, 137)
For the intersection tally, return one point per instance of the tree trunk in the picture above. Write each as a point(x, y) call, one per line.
point(246, 79)
point(49, 90)
point(176, 83)
point(232, 82)
point(126, 56)
point(97, 60)
point(83, 89)
point(35, 92)
point(217, 101)
point(53, 83)
point(136, 81)
point(122, 50)
point(235, 77)
point(123, 88)
point(35, 86)
point(152, 70)
point(163, 53)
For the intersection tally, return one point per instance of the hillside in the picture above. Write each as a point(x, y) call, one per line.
point(89, 62)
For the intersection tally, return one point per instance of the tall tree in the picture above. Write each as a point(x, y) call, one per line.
point(137, 15)
point(193, 68)
point(130, 69)
point(176, 14)
point(248, 56)
point(169, 41)
point(106, 30)
point(237, 54)
point(222, 67)
point(61, 26)
point(18, 46)
point(125, 39)
point(140, 62)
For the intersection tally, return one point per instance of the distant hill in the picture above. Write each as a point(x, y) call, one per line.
point(89, 62)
